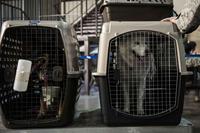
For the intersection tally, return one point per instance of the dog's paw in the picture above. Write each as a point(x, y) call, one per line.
point(140, 111)
point(41, 115)
point(126, 110)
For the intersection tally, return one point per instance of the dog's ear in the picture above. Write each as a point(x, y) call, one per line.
point(154, 42)
point(155, 39)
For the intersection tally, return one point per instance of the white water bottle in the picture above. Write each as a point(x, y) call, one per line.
point(22, 75)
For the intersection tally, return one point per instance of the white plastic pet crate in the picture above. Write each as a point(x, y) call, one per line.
point(141, 72)
point(43, 55)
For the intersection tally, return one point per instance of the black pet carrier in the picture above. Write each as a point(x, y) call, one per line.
point(141, 72)
point(136, 10)
point(50, 48)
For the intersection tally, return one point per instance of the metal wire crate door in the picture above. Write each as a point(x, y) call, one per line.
point(143, 73)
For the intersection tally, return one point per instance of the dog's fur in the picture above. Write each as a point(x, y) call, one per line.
point(136, 65)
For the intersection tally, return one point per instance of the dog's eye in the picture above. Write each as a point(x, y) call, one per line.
point(137, 43)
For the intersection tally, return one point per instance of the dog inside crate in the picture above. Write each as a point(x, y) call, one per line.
point(45, 92)
point(141, 65)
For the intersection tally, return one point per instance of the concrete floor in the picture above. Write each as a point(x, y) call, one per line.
point(191, 112)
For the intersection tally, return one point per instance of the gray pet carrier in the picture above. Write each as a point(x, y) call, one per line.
point(44, 56)
point(141, 72)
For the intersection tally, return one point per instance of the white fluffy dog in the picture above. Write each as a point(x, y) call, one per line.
point(136, 63)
